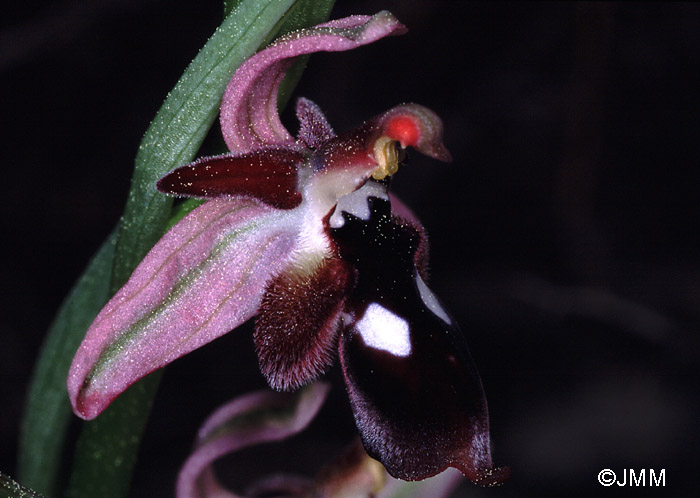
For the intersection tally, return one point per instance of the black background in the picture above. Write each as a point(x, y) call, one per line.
point(564, 236)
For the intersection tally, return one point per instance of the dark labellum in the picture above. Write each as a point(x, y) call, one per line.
point(415, 392)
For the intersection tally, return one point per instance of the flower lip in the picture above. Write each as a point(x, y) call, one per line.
point(396, 330)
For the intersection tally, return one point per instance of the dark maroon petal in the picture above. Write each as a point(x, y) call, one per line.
point(267, 174)
point(296, 330)
point(314, 129)
point(415, 392)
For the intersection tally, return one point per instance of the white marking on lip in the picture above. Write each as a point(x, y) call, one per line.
point(384, 330)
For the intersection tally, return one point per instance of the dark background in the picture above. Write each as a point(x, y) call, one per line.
point(564, 235)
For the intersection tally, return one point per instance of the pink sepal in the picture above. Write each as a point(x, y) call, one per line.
point(249, 116)
point(205, 277)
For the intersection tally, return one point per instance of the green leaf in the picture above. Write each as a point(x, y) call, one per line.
point(304, 14)
point(47, 410)
point(229, 6)
point(9, 488)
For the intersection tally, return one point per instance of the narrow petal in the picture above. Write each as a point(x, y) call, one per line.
point(249, 117)
point(267, 174)
point(296, 332)
point(314, 129)
point(205, 277)
point(257, 418)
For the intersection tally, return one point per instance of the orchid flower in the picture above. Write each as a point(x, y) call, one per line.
point(304, 234)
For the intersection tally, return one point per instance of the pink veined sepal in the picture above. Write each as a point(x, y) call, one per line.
point(205, 277)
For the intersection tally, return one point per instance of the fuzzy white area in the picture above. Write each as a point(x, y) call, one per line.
point(384, 330)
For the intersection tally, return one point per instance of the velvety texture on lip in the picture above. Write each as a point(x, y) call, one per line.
point(419, 402)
